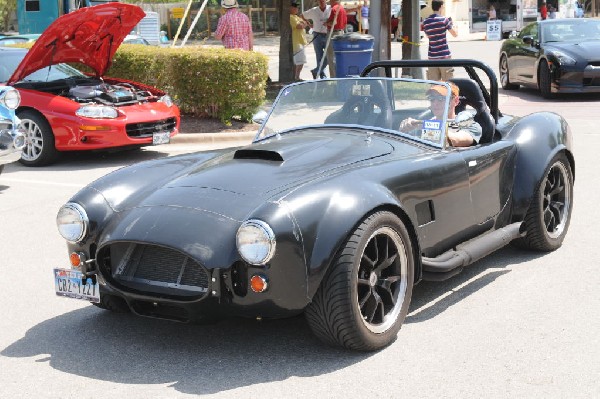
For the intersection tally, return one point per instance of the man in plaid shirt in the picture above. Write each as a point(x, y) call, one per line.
point(234, 28)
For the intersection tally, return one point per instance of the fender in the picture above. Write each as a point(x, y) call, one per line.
point(539, 137)
point(332, 214)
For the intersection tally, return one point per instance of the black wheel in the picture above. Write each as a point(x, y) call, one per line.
point(39, 140)
point(364, 297)
point(112, 303)
point(544, 80)
point(549, 214)
point(504, 75)
point(1, 169)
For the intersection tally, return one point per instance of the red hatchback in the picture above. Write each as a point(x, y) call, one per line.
point(63, 109)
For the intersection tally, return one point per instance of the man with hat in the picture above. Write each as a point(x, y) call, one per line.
point(234, 28)
point(456, 136)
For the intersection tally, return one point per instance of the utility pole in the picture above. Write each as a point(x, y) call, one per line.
point(411, 35)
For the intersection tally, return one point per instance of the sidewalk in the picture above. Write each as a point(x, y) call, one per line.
point(269, 46)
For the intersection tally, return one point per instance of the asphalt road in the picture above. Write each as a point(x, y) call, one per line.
point(516, 324)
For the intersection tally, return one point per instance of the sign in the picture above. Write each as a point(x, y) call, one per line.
point(177, 13)
point(494, 29)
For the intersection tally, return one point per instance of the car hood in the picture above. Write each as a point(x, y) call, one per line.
point(238, 181)
point(584, 50)
point(90, 36)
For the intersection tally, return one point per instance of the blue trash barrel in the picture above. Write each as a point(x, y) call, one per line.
point(353, 52)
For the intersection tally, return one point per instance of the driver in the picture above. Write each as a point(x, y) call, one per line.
point(456, 136)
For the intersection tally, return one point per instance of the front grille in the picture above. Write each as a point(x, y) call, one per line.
point(154, 269)
point(146, 129)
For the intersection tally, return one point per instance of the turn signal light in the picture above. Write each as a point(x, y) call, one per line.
point(77, 259)
point(94, 128)
point(258, 283)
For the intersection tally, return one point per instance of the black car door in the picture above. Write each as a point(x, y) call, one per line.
point(490, 169)
point(530, 52)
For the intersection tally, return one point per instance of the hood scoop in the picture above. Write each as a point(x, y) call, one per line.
point(252, 153)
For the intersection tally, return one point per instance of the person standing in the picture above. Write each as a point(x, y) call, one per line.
point(319, 15)
point(364, 17)
point(543, 11)
point(234, 28)
point(491, 13)
point(336, 23)
point(435, 27)
point(298, 39)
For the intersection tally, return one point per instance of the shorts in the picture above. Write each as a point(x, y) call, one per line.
point(440, 73)
point(364, 23)
point(300, 56)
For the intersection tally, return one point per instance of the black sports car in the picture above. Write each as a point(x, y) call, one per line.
point(555, 56)
point(331, 211)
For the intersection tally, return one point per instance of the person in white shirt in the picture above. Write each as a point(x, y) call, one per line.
point(319, 15)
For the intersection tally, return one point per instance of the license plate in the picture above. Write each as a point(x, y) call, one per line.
point(161, 138)
point(73, 284)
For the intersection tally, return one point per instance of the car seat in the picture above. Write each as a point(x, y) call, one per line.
point(470, 94)
point(371, 107)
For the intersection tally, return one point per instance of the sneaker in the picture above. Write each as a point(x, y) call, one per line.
point(314, 73)
point(323, 76)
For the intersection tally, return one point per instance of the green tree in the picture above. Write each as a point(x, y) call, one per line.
point(7, 7)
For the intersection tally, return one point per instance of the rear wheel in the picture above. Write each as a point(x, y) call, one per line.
point(39, 140)
point(544, 80)
point(504, 75)
point(364, 297)
point(549, 214)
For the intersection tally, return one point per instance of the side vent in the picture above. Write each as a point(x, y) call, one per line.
point(258, 154)
point(425, 212)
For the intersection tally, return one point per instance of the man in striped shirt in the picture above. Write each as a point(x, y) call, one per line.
point(435, 27)
point(234, 28)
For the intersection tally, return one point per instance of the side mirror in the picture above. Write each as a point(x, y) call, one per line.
point(260, 117)
point(528, 40)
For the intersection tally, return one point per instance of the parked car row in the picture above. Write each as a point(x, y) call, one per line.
point(63, 109)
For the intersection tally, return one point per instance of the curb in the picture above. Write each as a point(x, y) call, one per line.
point(213, 138)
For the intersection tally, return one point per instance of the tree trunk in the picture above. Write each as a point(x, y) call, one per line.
point(286, 63)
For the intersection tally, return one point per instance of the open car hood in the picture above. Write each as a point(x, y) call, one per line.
point(90, 35)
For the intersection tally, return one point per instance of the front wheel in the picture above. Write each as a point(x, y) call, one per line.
point(39, 147)
point(504, 75)
point(364, 297)
point(547, 220)
point(545, 81)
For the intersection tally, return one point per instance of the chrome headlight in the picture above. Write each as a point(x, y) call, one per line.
point(255, 242)
point(563, 58)
point(72, 222)
point(97, 112)
point(167, 100)
point(11, 99)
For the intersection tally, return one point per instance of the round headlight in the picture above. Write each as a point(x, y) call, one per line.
point(11, 99)
point(97, 112)
point(72, 222)
point(255, 242)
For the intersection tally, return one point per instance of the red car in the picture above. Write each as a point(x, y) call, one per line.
point(63, 109)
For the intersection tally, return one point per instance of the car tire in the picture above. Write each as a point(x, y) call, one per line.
point(547, 220)
point(504, 75)
point(112, 303)
point(364, 296)
point(544, 81)
point(1, 169)
point(39, 148)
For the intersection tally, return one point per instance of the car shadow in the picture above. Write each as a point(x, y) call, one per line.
point(430, 298)
point(193, 359)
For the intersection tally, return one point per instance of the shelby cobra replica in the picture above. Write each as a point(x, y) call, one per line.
point(331, 211)
point(12, 139)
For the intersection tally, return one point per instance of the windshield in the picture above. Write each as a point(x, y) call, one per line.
point(11, 60)
point(381, 104)
point(565, 30)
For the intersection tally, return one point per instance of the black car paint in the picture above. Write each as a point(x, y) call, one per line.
point(313, 197)
point(526, 51)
